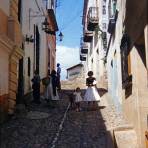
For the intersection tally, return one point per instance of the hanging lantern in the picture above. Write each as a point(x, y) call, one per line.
point(61, 36)
point(45, 24)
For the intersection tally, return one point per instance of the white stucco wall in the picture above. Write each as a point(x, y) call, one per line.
point(97, 66)
point(28, 28)
point(114, 72)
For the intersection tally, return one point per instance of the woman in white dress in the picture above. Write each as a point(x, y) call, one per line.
point(50, 83)
point(91, 94)
point(46, 83)
point(78, 98)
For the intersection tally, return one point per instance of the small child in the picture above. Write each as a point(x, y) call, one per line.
point(78, 98)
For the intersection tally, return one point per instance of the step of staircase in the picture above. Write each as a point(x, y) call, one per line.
point(125, 137)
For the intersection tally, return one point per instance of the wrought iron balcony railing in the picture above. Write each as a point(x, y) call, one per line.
point(111, 25)
point(83, 47)
point(82, 58)
point(88, 36)
point(92, 18)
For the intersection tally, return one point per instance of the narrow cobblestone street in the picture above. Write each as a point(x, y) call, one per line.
point(46, 127)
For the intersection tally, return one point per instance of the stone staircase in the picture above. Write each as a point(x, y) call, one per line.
point(73, 83)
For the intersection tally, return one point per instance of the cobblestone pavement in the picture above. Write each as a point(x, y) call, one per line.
point(85, 129)
point(25, 132)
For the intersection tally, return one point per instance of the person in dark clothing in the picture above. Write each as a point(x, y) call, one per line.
point(58, 76)
point(71, 100)
point(36, 87)
point(54, 82)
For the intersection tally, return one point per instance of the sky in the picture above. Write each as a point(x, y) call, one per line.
point(69, 18)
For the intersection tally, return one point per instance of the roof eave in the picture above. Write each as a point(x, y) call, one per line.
point(51, 14)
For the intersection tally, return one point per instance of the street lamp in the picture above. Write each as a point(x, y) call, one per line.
point(45, 27)
point(61, 36)
point(45, 24)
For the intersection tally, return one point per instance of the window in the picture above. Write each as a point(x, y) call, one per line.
point(97, 51)
point(112, 8)
point(29, 66)
point(104, 26)
point(125, 60)
point(91, 48)
point(37, 49)
point(52, 4)
point(104, 38)
point(104, 10)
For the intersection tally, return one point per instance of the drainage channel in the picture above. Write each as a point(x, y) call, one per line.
point(53, 144)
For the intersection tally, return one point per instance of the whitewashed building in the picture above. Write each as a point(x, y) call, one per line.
point(125, 23)
point(39, 41)
point(75, 71)
point(127, 62)
point(94, 43)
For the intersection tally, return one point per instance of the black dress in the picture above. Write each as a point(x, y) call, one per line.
point(90, 81)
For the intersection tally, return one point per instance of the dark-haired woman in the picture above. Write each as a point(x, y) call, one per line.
point(91, 94)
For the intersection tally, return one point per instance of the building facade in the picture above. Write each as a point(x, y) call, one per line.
point(27, 43)
point(94, 40)
point(127, 62)
point(114, 46)
point(39, 31)
point(10, 55)
point(75, 71)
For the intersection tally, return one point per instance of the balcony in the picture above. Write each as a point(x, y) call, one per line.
point(111, 25)
point(88, 36)
point(82, 58)
point(84, 48)
point(92, 18)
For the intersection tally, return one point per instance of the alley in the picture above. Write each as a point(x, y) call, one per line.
point(49, 127)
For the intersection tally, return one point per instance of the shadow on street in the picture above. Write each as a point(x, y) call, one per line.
point(37, 128)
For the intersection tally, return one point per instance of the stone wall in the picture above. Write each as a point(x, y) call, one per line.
point(10, 53)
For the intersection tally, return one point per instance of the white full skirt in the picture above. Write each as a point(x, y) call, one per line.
point(91, 94)
point(49, 93)
point(78, 98)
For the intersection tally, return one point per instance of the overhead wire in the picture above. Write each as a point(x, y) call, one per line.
point(72, 19)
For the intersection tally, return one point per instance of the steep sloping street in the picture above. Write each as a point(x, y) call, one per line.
point(48, 126)
point(73, 74)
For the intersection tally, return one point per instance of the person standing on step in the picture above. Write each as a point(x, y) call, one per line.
point(58, 76)
point(91, 94)
point(54, 86)
point(78, 98)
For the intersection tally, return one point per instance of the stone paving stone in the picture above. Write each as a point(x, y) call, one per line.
point(24, 132)
point(86, 129)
